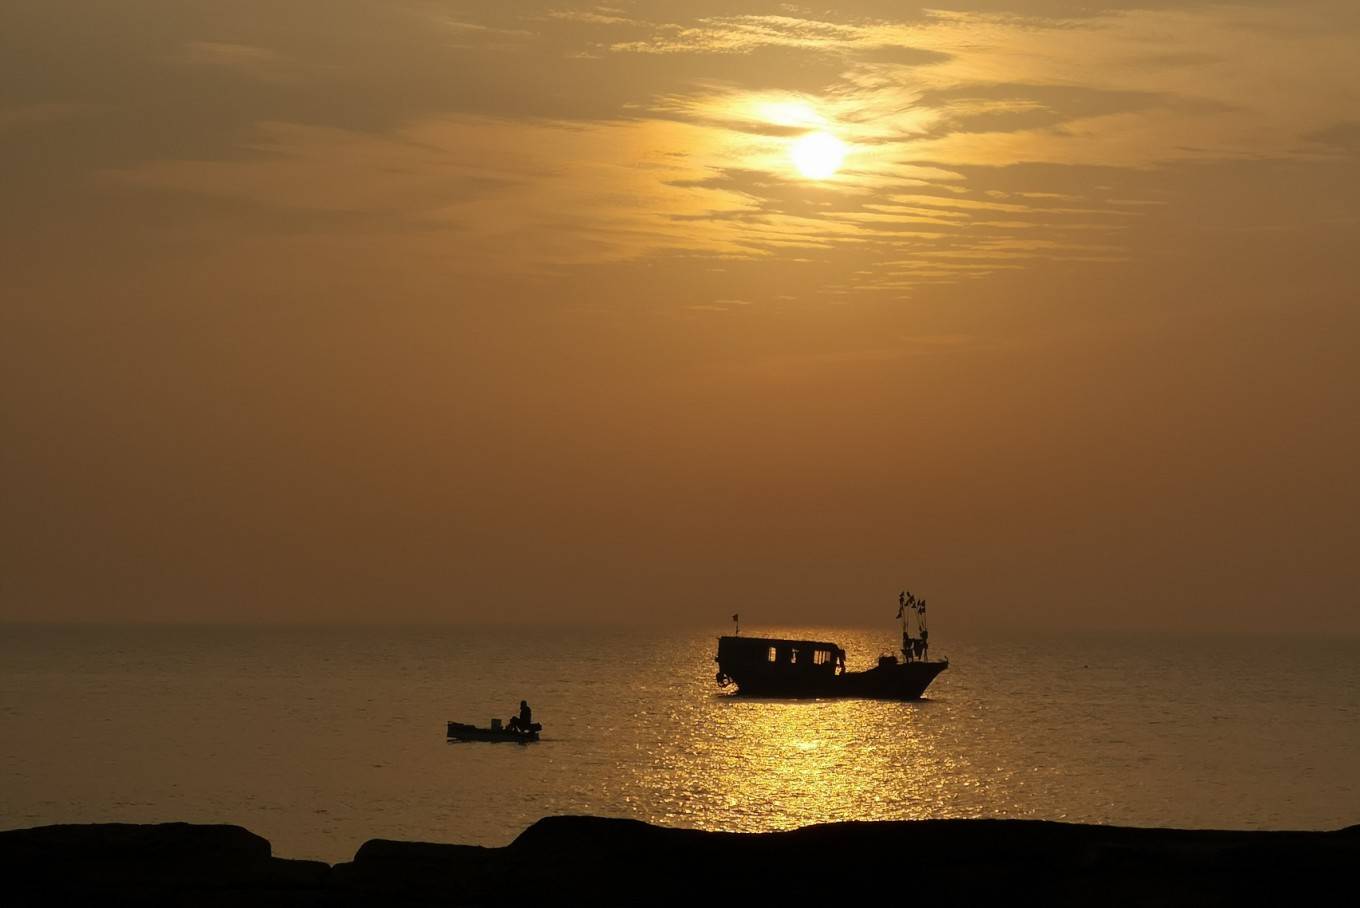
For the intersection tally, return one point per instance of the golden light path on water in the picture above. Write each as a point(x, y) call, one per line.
point(753, 764)
point(781, 765)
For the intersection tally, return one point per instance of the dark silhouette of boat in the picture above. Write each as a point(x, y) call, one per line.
point(778, 667)
point(459, 731)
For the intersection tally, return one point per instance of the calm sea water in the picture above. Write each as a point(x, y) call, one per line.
point(319, 739)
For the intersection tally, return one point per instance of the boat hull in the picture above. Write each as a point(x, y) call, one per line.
point(459, 731)
point(903, 681)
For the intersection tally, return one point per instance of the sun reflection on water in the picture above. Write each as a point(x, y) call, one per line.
point(777, 764)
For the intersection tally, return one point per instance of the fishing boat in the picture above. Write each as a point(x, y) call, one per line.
point(807, 669)
point(459, 731)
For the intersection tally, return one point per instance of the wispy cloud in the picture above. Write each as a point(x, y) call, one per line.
point(939, 115)
point(31, 114)
point(258, 62)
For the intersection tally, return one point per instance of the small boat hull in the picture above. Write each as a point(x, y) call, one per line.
point(459, 731)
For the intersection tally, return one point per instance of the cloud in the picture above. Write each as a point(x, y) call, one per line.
point(1343, 136)
point(36, 114)
point(542, 138)
point(1025, 80)
point(218, 53)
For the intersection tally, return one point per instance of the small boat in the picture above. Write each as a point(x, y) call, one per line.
point(807, 669)
point(459, 731)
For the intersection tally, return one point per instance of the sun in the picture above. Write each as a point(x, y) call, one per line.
point(818, 155)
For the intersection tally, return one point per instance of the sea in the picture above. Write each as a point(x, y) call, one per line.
point(320, 738)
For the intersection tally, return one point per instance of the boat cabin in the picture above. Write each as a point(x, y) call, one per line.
point(740, 657)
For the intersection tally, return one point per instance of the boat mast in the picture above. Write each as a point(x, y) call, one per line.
point(921, 626)
point(905, 601)
point(913, 646)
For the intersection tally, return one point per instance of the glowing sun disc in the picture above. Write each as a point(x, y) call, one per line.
point(818, 155)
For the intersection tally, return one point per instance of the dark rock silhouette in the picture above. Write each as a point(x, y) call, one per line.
point(163, 863)
point(606, 861)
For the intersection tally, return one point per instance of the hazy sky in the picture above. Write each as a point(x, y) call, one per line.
point(410, 310)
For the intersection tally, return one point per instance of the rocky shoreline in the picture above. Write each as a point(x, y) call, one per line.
point(626, 862)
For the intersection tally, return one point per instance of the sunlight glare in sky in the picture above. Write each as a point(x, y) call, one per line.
point(818, 155)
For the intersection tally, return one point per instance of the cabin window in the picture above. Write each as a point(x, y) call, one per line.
point(774, 655)
point(793, 656)
point(821, 657)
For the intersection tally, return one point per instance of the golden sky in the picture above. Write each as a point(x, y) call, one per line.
point(410, 310)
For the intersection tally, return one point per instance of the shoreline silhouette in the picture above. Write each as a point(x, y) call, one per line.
point(617, 861)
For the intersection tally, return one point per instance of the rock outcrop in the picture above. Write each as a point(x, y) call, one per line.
point(561, 860)
point(163, 863)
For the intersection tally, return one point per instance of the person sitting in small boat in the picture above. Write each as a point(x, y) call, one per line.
point(524, 722)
